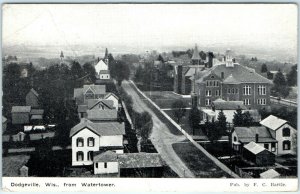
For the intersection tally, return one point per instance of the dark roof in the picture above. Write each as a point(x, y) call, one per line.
point(37, 111)
point(104, 72)
point(108, 103)
point(140, 160)
point(97, 89)
point(247, 134)
point(36, 117)
point(102, 128)
point(107, 156)
point(239, 73)
point(18, 109)
point(99, 114)
point(229, 105)
point(82, 108)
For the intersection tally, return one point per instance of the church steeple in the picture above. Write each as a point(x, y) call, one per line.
point(106, 56)
point(196, 57)
point(61, 56)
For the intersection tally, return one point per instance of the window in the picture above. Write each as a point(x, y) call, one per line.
point(228, 91)
point(89, 94)
point(210, 83)
point(234, 138)
point(79, 142)
point(97, 165)
point(91, 142)
point(266, 146)
point(90, 155)
point(273, 147)
point(208, 92)
point(232, 90)
point(207, 102)
point(286, 145)
point(261, 101)
point(246, 101)
point(207, 83)
point(236, 90)
point(217, 92)
point(105, 164)
point(261, 90)
point(214, 83)
point(247, 90)
point(286, 132)
point(217, 83)
point(79, 156)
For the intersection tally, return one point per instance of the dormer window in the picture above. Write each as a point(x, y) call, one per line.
point(89, 94)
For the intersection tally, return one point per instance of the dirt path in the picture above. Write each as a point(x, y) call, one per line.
point(161, 138)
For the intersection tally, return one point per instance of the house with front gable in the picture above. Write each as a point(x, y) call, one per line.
point(88, 92)
point(283, 132)
point(114, 98)
point(241, 136)
point(99, 109)
point(32, 99)
point(89, 137)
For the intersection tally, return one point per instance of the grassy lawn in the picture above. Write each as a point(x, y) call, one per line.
point(12, 164)
point(197, 162)
point(164, 99)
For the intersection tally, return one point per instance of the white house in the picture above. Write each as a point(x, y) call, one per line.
point(106, 162)
point(114, 98)
point(101, 66)
point(88, 137)
point(283, 132)
point(104, 74)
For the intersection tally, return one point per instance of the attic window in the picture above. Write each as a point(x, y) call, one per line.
point(212, 77)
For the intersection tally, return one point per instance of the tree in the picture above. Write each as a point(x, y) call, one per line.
point(247, 119)
point(238, 118)
point(280, 87)
point(146, 131)
point(76, 70)
point(292, 76)
point(222, 124)
point(160, 58)
point(179, 108)
point(264, 68)
point(89, 69)
point(212, 131)
point(194, 118)
point(139, 74)
point(120, 71)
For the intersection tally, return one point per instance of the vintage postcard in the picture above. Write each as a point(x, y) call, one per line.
point(175, 97)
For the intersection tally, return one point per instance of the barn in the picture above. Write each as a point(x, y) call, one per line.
point(257, 154)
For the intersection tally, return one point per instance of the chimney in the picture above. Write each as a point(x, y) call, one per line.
point(256, 138)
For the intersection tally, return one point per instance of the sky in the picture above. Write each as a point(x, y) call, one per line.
point(267, 26)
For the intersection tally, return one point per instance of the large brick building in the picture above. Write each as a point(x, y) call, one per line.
point(231, 81)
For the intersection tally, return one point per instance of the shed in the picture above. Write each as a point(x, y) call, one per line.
point(258, 154)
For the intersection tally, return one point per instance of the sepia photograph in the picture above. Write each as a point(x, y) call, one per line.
point(94, 94)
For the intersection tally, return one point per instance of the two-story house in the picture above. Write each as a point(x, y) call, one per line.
point(283, 132)
point(89, 137)
point(82, 95)
point(231, 81)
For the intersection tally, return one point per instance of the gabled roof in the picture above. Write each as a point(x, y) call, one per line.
point(101, 129)
point(104, 72)
point(97, 89)
point(271, 173)
point(99, 115)
point(229, 105)
point(4, 119)
point(231, 80)
point(254, 147)
point(247, 134)
point(108, 103)
point(140, 160)
point(21, 109)
point(273, 122)
point(107, 156)
point(239, 72)
point(111, 94)
point(34, 92)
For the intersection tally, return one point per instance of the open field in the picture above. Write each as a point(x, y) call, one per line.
point(164, 99)
point(197, 162)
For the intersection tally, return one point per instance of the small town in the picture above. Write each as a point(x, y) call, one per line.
point(179, 113)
